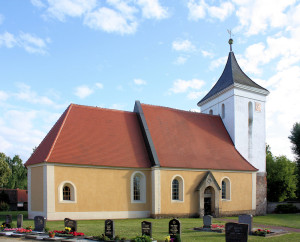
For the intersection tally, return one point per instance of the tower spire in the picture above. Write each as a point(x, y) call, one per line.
point(230, 41)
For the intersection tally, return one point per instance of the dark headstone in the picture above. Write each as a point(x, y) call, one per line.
point(246, 219)
point(71, 224)
point(39, 223)
point(235, 232)
point(8, 219)
point(207, 221)
point(147, 228)
point(109, 228)
point(174, 228)
point(20, 221)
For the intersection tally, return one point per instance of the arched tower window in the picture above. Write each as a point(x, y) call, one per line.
point(250, 127)
point(226, 189)
point(138, 187)
point(177, 186)
point(223, 111)
point(211, 112)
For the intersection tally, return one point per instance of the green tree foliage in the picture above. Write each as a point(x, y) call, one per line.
point(282, 178)
point(5, 172)
point(17, 177)
point(295, 139)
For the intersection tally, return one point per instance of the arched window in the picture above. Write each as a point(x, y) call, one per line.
point(250, 127)
point(223, 111)
point(138, 187)
point(177, 189)
point(67, 192)
point(211, 112)
point(226, 189)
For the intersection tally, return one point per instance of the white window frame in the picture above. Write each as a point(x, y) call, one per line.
point(142, 187)
point(73, 192)
point(181, 189)
point(228, 189)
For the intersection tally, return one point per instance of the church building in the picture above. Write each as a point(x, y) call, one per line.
point(98, 163)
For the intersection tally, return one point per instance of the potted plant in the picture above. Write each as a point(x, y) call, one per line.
point(51, 234)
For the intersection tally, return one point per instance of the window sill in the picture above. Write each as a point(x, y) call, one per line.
point(65, 201)
point(177, 201)
point(226, 200)
point(138, 201)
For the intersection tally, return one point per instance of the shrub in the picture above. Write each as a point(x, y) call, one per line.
point(286, 208)
point(143, 238)
point(4, 206)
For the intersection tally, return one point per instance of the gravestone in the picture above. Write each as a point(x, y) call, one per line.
point(109, 229)
point(71, 224)
point(20, 221)
point(207, 221)
point(174, 228)
point(8, 219)
point(246, 219)
point(147, 228)
point(235, 232)
point(39, 223)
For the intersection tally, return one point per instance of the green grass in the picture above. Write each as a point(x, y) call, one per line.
point(284, 220)
point(130, 228)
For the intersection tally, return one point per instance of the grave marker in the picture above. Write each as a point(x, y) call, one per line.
point(109, 228)
point(246, 219)
point(71, 224)
point(207, 221)
point(147, 228)
point(20, 221)
point(8, 219)
point(39, 223)
point(174, 228)
point(235, 232)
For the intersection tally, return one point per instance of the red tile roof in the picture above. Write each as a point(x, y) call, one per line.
point(192, 140)
point(94, 136)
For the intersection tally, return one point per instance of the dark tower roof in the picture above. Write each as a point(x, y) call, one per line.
point(231, 75)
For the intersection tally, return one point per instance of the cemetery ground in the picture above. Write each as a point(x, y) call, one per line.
point(130, 228)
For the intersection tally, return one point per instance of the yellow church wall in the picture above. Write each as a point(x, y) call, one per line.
point(241, 192)
point(37, 200)
point(100, 189)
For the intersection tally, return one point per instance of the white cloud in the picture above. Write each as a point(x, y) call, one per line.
point(8, 40)
point(181, 86)
point(256, 16)
point(59, 9)
point(199, 10)
point(152, 9)
point(180, 60)
point(28, 42)
point(109, 20)
point(99, 85)
point(195, 95)
point(38, 3)
point(139, 82)
point(207, 54)
point(3, 96)
point(83, 91)
point(183, 45)
point(218, 62)
point(118, 106)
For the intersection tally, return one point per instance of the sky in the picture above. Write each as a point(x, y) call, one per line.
point(109, 53)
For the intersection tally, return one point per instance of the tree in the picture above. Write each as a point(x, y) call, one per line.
point(281, 176)
point(5, 172)
point(18, 179)
point(295, 140)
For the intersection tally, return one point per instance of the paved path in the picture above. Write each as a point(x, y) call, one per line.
point(255, 225)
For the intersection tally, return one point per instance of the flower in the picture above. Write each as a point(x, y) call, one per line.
point(168, 238)
point(67, 229)
point(52, 232)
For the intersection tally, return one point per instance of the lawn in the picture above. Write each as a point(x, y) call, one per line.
point(130, 228)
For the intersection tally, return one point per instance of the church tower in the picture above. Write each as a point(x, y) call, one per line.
point(240, 102)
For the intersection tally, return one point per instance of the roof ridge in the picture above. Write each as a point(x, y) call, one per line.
point(180, 110)
point(61, 127)
point(96, 107)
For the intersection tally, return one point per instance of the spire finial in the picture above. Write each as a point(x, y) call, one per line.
point(230, 41)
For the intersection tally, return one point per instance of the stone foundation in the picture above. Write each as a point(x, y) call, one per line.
point(261, 193)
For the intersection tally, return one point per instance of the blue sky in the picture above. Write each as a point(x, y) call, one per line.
point(169, 53)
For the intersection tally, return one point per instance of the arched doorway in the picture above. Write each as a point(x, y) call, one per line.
point(208, 196)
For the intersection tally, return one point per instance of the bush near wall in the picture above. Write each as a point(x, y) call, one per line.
point(286, 208)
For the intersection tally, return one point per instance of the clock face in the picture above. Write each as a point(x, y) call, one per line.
point(258, 107)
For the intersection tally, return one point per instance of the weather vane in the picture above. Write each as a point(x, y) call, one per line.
point(230, 40)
